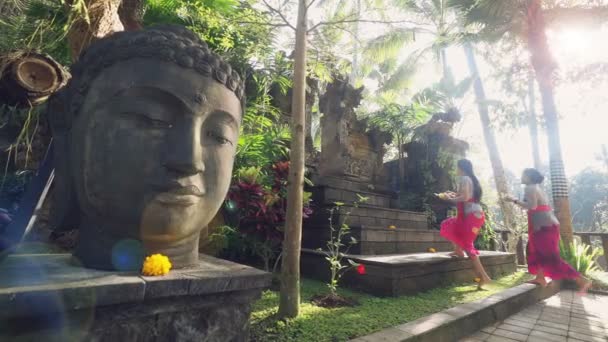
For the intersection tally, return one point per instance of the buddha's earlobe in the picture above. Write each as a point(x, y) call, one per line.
point(65, 213)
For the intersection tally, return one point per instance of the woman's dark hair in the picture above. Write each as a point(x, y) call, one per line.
point(534, 176)
point(467, 168)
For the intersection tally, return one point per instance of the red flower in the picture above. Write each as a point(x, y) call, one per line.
point(361, 269)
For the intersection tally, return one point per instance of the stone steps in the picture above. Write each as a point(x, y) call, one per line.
point(353, 185)
point(329, 194)
point(370, 216)
point(381, 240)
point(406, 274)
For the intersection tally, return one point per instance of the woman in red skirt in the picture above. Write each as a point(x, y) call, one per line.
point(543, 235)
point(462, 230)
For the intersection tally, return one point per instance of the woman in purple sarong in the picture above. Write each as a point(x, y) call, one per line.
point(543, 235)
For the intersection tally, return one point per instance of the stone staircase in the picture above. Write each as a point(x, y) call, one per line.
point(377, 225)
point(393, 244)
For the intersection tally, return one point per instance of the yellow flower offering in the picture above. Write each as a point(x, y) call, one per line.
point(442, 196)
point(432, 250)
point(156, 265)
point(477, 280)
point(392, 227)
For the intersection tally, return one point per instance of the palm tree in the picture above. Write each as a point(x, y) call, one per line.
point(526, 19)
point(490, 139)
point(544, 66)
point(446, 29)
point(533, 123)
point(434, 18)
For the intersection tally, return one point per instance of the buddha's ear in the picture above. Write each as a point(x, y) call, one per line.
point(58, 113)
point(65, 214)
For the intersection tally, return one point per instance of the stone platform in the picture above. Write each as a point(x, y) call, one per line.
point(406, 274)
point(50, 298)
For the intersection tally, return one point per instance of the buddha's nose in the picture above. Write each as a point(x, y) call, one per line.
point(185, 152)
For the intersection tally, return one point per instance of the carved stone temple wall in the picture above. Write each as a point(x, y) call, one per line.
point(348, 147)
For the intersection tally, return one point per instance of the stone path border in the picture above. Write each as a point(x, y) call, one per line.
point(565, 317)
point(465, 319)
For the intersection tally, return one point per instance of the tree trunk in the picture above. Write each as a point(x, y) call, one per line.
point(289, 305)
point(103, 20)
point(355, 64)
point(544, 65)
point(533, 124)
point(497, 168)
point(131, 14)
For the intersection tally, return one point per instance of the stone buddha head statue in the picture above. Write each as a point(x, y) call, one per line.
point(145, 136)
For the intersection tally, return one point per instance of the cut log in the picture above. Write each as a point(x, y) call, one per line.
point(29, 78)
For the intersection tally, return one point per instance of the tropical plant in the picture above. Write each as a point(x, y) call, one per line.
point(259, 196)
point(234, 29)
point(400, 121)
point(487, 235)
point(38, 25)
point(582, 257)
point(336, 248)
point(444, 95)
point(435, 20)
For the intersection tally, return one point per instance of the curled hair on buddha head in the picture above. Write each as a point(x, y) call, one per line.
point(168, 43)
point(534, 176)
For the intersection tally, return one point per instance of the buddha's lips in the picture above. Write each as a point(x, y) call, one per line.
point(186, 190)
point(181, 190)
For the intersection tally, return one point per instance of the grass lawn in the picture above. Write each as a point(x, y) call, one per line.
point(320, 324)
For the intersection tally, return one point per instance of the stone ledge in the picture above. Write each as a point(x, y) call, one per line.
point(406, 274)
point(465, 319)
point(29, 280)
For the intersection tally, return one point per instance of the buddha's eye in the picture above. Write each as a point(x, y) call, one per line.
point(218, 137)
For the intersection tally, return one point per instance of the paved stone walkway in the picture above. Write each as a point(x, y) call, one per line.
point(564, 317)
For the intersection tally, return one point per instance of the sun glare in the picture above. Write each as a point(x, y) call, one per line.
point(574, 39)
point(573, 45)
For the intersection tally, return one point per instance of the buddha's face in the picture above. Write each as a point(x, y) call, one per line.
point(153, 148)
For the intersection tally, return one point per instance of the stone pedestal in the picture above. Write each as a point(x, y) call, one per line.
point(50, 298)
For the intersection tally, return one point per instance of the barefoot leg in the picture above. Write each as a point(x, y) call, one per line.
point(480, 271)
point(457, 251)
point(583, 285)
point(540, 279)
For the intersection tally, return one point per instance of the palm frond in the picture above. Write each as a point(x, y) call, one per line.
point(403, 76)
point(388, 45)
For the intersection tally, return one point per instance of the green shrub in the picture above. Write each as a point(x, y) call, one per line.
point(580, 256)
